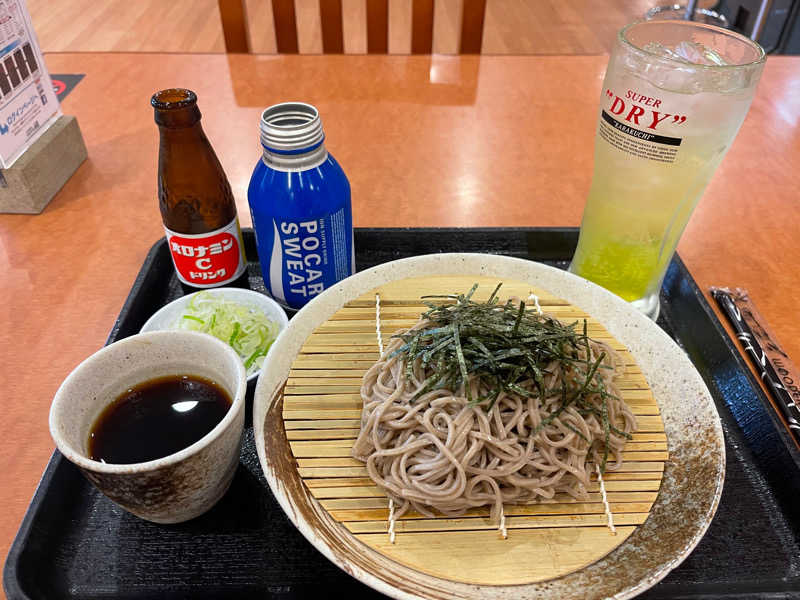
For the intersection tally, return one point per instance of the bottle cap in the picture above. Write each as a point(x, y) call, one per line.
point(291, 128)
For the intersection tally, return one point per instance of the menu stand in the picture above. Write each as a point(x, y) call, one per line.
point(43, 169)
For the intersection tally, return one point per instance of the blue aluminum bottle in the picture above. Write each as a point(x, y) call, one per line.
point(300, 204)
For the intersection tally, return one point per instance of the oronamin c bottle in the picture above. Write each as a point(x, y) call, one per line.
point(195, 198)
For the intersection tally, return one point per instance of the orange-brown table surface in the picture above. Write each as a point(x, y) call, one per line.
point(443, 141)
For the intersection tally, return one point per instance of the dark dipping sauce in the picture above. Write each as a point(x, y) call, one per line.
point(157, 418)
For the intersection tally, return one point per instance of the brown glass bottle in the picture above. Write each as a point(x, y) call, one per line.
point(195, 198)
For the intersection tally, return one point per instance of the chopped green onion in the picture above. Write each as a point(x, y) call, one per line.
point(237, 327)
point(244, 328)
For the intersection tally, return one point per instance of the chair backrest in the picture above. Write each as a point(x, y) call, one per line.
point(235, 30)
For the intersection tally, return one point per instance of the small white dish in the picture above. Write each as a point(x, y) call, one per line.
point(166, 317)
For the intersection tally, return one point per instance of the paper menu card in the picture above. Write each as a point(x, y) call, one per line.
point(28, 103)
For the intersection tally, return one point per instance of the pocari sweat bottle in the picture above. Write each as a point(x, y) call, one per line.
point(300, 203)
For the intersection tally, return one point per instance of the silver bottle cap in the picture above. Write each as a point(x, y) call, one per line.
point(291, 128)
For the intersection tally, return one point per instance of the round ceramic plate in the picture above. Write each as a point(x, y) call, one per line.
point(692, 479)
point(168, 315)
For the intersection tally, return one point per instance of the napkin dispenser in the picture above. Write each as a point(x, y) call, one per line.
point(41, 171)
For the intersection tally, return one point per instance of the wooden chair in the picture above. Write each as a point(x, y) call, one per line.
point(234, 26)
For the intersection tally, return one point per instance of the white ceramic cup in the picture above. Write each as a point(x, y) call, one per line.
point(177, 487)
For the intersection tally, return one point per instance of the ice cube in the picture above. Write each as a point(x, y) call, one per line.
point(699, 54)
point(689, 52)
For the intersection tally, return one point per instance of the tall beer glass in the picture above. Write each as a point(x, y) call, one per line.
point(674, 96)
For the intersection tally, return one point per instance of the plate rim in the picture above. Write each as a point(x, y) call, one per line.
point(622, 321)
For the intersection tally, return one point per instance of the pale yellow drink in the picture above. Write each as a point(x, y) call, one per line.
point(665, 125)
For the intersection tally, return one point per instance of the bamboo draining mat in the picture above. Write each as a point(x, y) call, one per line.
point(322, 411)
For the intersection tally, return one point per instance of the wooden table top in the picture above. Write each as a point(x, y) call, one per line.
point(442, 141)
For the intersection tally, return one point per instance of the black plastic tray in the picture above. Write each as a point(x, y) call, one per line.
point(74, 543)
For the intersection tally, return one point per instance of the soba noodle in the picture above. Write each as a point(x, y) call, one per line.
point(441, 453)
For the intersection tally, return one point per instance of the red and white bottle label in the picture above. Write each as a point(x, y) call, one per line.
point(208, 259)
